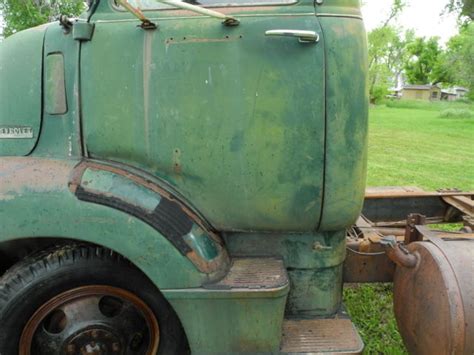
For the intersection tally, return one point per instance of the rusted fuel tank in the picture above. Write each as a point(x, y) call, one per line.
point(434, 297)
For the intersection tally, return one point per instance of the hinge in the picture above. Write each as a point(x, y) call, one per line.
point(82, 31)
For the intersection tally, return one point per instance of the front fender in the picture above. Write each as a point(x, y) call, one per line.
point(111, 207)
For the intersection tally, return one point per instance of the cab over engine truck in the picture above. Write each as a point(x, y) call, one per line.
point(179, 178)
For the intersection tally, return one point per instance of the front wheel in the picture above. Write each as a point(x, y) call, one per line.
point(84, 300)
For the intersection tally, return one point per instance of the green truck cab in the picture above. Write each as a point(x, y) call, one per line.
point(178, 183)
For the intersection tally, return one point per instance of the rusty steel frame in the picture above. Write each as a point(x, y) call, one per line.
point(399, 212)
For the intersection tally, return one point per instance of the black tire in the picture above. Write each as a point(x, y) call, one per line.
point(38, 278)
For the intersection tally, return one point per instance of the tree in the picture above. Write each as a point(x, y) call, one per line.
point(395, 10)
point(21, 14)
point(463, 7)
point(459, 58)
point(424, 64)
point(385, 51)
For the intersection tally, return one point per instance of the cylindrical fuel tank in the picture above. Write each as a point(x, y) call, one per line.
point(434, 301)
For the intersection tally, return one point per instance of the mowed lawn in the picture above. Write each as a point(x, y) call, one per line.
point(409, 145)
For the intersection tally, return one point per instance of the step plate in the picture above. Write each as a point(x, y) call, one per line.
point(326, 336)
point(254, 273)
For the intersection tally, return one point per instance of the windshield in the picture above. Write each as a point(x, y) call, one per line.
point(154, 5)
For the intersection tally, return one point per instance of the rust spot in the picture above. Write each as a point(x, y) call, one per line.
point(177, 161)
point(35, 174)
point(212, 266)
point(187, 40)
point(436, 296)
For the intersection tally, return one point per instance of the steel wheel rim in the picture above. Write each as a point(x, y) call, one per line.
point(86, 293)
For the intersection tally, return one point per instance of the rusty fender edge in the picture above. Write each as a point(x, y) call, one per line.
point(111, 206)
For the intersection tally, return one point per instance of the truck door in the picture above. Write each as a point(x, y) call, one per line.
point(232, 117)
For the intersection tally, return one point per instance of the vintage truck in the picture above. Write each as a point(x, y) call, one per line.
point(179, 177)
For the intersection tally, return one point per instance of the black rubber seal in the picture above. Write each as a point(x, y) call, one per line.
point(168, 218)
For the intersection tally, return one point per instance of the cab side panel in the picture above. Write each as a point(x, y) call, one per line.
point(233, 119)
point(20, 91)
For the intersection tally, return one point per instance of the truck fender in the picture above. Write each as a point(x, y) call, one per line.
point(112, 206)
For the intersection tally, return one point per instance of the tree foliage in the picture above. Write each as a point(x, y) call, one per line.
point(22, 14)
point(424, 63)
point(463, 7)
point(386, 50)
point(387, 56)
point(459, 58)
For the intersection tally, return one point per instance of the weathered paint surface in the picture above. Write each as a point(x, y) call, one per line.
point(60, 133)
point(314, 263)
point(221, 323)
point(141, 197)
point(211, 110)
point(339, 7)
point(36, 202)
point(20, 89)
point(347, 122)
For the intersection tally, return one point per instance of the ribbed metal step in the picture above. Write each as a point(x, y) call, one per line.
point(321, 336)
point(253, 273)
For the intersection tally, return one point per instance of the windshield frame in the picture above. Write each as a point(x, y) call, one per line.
point(164, 7)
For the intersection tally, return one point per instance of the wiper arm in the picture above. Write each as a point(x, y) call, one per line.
point(228, 20)
point(147, 24)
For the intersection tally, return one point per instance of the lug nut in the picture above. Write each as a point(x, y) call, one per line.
point(136, 341)
point(116, 347)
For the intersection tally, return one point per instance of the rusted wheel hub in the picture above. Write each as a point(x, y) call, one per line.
point(92, 320)
point(94, 341)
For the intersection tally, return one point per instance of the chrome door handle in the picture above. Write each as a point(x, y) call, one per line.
point(303, 36)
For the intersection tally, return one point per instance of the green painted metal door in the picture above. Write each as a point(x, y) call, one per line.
point(233, 119)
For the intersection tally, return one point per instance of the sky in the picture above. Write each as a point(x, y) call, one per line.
point(424, 16)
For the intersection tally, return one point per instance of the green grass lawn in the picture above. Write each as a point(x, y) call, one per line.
point(410, 144)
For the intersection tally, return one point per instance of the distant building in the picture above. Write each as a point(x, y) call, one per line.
point(448, 96)
point(455, 93)
point(394, 93)
point(460, 92)
point(421, 92)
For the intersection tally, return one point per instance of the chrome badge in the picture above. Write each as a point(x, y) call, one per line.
point(16, 132)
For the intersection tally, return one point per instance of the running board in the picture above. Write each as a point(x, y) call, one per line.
point(320, 336)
